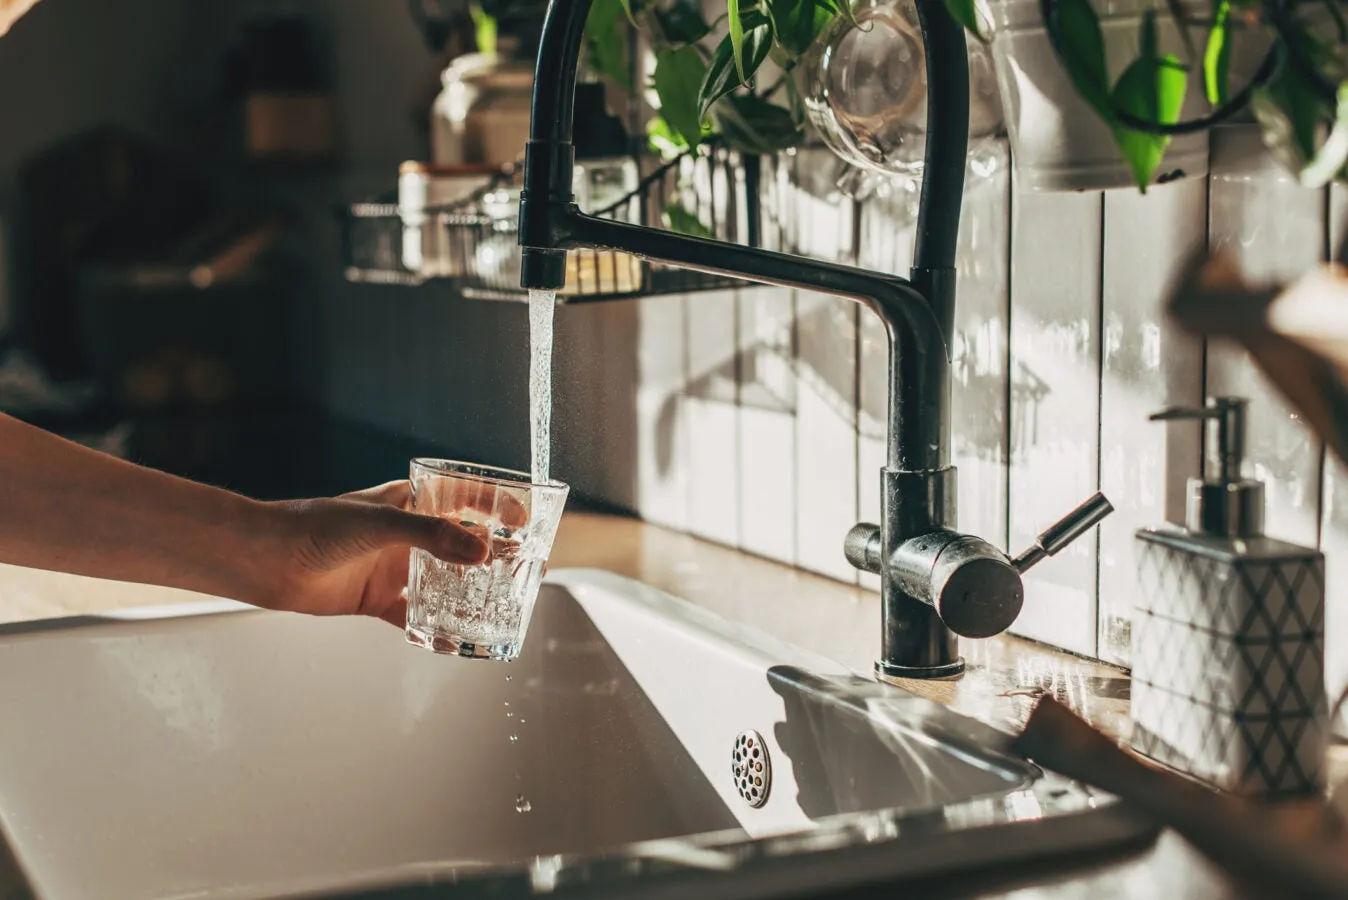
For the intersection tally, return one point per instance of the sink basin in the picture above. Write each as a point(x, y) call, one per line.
point(232, 753)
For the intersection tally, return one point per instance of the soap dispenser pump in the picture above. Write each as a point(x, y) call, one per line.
point(1228, 632)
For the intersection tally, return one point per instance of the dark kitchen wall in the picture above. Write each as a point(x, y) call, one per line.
point(70, 65)
point(419, 362)
point(152, 67)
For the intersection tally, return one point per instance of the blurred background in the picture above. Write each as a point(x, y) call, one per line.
point(171, 284)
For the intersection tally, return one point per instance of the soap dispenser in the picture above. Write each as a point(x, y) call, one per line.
point(1228, 632)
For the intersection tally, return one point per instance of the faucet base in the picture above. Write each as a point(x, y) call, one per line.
point(892, 674)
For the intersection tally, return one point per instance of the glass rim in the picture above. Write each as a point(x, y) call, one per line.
point(494, 475)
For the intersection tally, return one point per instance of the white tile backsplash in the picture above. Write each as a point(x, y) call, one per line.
point(594, 400)
point(767, 399)
point(1334, 514)
point(980, 354)
point(767, 424)
point(819, 224)
point(1334, 543)
point(661, 444)
point(711, 415)
point(1275, 230)
point(888, 225)
point(1147, 364)
point(1055, 404)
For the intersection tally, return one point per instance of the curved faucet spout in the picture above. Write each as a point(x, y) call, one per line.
point(918, 494)
point(919, 382)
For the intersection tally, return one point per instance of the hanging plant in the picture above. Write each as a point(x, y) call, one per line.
point(706, 84)
point(706, 73)
point(1299, 93)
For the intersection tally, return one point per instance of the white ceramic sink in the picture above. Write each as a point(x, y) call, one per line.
point(241, 753)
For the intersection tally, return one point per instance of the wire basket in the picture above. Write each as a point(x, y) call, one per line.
point(712, 193)
point(372, 245)
point(492, 271)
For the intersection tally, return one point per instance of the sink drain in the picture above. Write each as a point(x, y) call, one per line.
point(751, 768)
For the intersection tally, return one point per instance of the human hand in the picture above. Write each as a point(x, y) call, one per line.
point(349, 555)
point(10, 10)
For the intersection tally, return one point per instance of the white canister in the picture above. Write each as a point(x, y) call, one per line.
point(481, 116)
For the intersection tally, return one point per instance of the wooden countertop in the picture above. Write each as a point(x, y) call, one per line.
point(1004, 678)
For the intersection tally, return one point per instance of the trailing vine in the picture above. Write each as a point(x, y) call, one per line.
point(705, 73)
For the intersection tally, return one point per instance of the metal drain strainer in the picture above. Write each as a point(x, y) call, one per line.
point(752, 768)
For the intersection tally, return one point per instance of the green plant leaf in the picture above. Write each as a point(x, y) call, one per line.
point(722, 74)
point(753, 125)
point(1151, 88)
point(677, 24)
point(1294, 119)
point(484, 29)
point(678, 78)
point(663, 139)
point(606, 41)
point(736, 35)
point(797, 24)
point(677, 218)
point(1217, 56)
point(627, 9)
point(1082, 48)
point(1331, 156)
point(1295, 99)
point(967, 13)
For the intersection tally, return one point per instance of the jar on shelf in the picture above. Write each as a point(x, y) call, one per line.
point(497, 258)
point(427, 197)
point(481, 116)
point(604, 180)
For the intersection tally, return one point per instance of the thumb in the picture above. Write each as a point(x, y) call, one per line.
point(442, 538)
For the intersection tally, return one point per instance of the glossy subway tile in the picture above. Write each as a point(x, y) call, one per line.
point(1334, 518)
point(1055, 404)
point(980, 351)
point(1247, 189)
point(1147, 363)
point(888, 223)
point(767, 393)
point(820, 225)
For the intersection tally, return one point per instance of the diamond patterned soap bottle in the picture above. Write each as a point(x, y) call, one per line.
point(1228, 633)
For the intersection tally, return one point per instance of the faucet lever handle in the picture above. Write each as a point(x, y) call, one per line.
point(1064, 531)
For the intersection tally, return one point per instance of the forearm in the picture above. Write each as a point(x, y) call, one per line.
point(10, 10)
point(71, 509)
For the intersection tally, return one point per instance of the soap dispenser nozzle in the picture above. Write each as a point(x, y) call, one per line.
point(1222, 503)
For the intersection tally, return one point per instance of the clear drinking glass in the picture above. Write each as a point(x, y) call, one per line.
point(481, 611)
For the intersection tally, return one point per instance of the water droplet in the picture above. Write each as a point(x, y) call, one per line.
point(522, 805)
point(514, 738)
point(521, 721)
point(510, 715)
point(507, 703)
point(508, 677)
